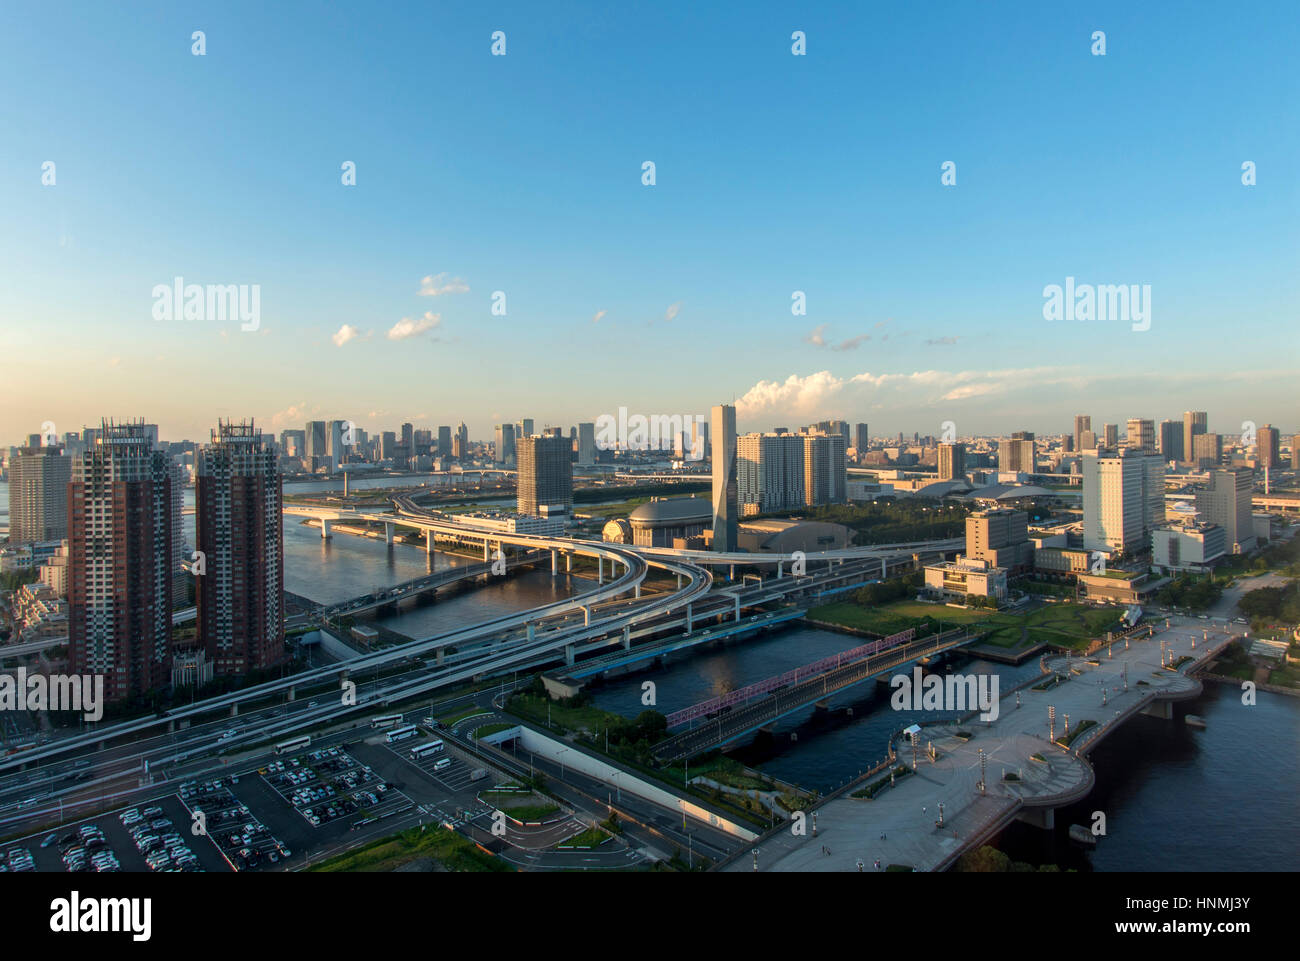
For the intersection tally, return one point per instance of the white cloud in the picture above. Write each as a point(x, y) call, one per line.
point(406, 327)
point(598, 316)
point(436, 285)
point(345, 333)
point(817, 337)
point(823, 394)
point(673, 310)
point(293, 414)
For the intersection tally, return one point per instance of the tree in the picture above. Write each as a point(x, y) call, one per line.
point(985, 860)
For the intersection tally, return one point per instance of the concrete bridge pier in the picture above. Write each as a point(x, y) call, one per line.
point(568, 563)
point(532, 630)
point(690, 619)
point(568, 654)
point(1044, 818)
point(627, 637)
point(679, 582)
point(171, 727)
point(1161, 709)
point(586, 617)
point(731, 572)
point(600, 569)
point(737, 607)
point(486, 552)
point(555, 562)
point(428, 543)
point(324, 529)
point(780, 569)
point(293, 693)
point(439, 656)
point(388, 533)
point(234, 710)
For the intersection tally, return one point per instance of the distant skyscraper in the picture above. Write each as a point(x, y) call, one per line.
point(723, 436)
point(1171, 441)
point(769, 472)
point(1295, 452)
point(238, 528)
point(1082, 422)
point(505, 445)
point(337, 449)
point(952, 461)
point(545, 476)
point(121, 561)
point(699, 440)
point(861, 439)
point(1194, 422)
point(1017, 454)
point(444, 441)
point(1207, 450)
point(293, 443)
point(408, 446)
point(460, 445)
point(1268, 448)
point(524, 427)
point(38, 494)
point(1110, 436)
point(586, 444)
point(1227, 502)
point(825, 478)
point(1087, 441)
point(317, 446)
point(1141, 435)
point(1123, 500)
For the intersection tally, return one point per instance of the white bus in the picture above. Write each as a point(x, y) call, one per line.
point(402, 733)
point(386, 720)
point(293, 744)
point(425, 749)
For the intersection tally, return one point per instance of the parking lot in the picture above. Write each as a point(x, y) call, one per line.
point(330, 785)
point(159, 840)
point(447, 768)
point(268, 815)
point(244, 841)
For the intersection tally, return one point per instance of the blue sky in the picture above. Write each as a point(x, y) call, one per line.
point(774, 173)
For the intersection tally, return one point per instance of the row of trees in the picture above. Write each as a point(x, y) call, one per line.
point(898, 589)
point(1273, 603)
point(913, 519)
point(1191, 592)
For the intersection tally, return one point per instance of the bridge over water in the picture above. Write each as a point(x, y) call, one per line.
point(986, 774)
point(741, 712)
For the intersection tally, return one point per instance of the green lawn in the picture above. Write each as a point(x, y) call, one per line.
point(454, 852)
point(530, 812)
point(1065, 624)
point(573, 718)
point(590, 838)
point(489, 729)
point(460, 715)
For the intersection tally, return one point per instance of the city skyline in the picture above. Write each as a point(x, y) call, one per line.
point(755, 423)
point(916, 296)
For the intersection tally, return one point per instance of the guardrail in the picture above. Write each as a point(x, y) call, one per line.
point(794, 676)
